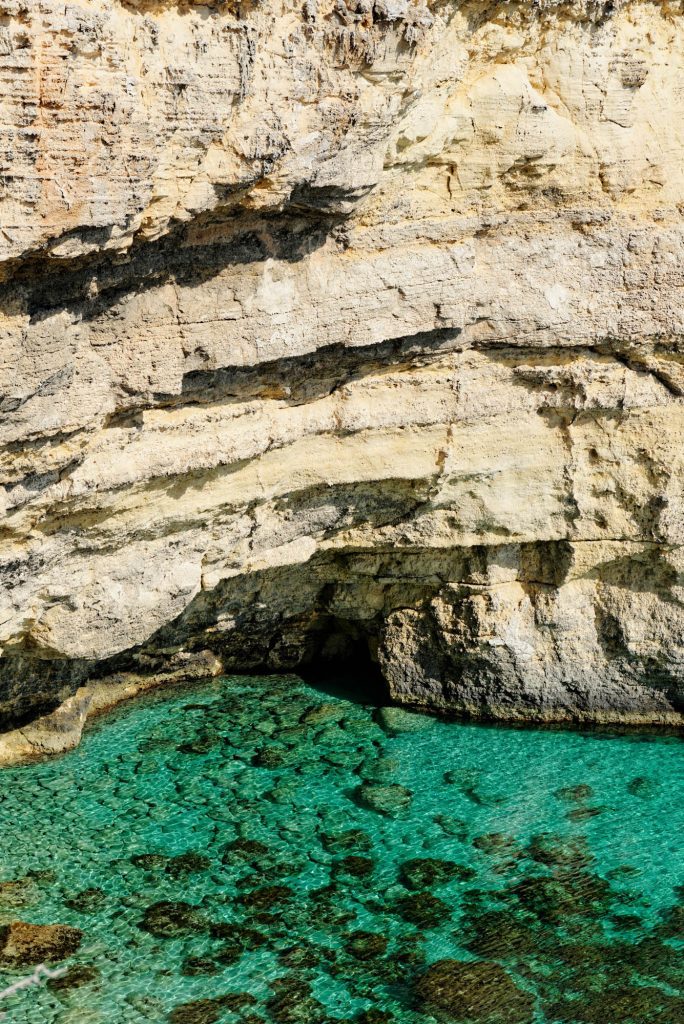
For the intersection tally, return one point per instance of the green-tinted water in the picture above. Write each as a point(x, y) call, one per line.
point(222, 860)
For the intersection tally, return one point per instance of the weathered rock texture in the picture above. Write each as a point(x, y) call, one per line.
point(342, 327)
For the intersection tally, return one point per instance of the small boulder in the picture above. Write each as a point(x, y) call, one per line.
point(266, 897)
point(423, 910)
point(76, 976)
point(643, 787)
point(379, 769)
point(574, 794)
point(199, 966)
point(494, 842)
point(86, 902)
point(390, 800)
point(200, 1011)
point(424, 872)
point(366, 945)
point(472, 993)
point(352, 839)
point(557, 851)
point(25, 945)
point(395, 721)
point(357, 867)
point(189, 863)
point(168, 920)
point(323, 714)
point(149, 861)
point(17, 893)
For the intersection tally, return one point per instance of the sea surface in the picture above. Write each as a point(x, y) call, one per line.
point(261, 850)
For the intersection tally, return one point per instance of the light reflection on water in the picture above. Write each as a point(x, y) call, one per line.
point(256, 850)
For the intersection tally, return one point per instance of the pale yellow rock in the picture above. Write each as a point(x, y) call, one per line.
point(342, 329)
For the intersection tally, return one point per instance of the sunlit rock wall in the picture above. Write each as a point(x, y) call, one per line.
point(344, 330)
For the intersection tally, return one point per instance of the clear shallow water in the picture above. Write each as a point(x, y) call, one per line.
point(550, 860)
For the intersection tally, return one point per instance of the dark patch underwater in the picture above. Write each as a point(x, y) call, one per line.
point(257, 850)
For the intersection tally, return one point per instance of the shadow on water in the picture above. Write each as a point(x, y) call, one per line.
point(359, 683)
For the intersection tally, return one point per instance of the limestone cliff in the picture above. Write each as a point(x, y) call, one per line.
point(343, 326)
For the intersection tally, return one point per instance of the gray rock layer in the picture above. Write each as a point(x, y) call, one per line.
point(343, 330)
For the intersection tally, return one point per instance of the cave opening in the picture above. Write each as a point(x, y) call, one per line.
point(343, 662)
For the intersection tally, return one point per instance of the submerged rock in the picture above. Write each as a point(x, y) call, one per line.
point(426, 872)
point(498, 934)
point(18, 892)
point(374, 1016)
point(423, 910)
point(200, 966)
point(323, 713)
point(23, 944)
point(87, 902)
point(189, 863)
point(556, 851)
point(494, 842)
point(169, 920)
point(76, 976)
point(149, 1007)
point(266, 897)
point(352, 839)
point(395, 721)
point(626, 922)
point(208, 1011)
point(379, 769)
point(575, 794)
point(238, 934)
point(201, 1011)
point(245, 850)
point(302, 957)
point(293, 1003)
point(623, 1004)
point(200, 745)
point(457, 992)
point(673, 923)
point(456, 827)
point(366, 945)
point(357, 867)
point(567, 894)
point(584, 813)
point(389, 800)
point(643, 787)
point(149, 861)
point(230, 953)
point(81, 1015)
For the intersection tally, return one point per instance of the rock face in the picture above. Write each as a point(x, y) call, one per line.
point(343, 329)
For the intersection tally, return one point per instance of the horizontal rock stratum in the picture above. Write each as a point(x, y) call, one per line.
point(347, 328)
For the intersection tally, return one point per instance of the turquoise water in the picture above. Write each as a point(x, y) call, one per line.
point(254, 849)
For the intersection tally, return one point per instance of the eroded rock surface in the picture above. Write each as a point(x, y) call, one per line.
point(23, 944)
point(334, 328)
